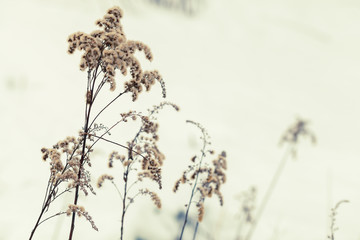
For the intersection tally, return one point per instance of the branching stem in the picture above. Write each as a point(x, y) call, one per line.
point(193, 190)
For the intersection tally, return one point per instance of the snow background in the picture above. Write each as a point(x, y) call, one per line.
point(244, 69)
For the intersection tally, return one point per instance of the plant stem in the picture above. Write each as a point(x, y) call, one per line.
point(118, 144)
point(47, 201)
point(196, 229)
point(57, 214)
point(72, 227)
point(86, 129)
point(187, 212)
point(80, 170)
point(269, 192)
point(107, 105)
point(40, 216)
point(192, 192)
point(239, 228)
point(126, 174)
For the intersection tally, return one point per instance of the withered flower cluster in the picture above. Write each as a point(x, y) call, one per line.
point(142, 149)
point(109, 49)
point(292, 135)
point(64, 159)
point(205, 179)
point(154, 197)
point(299, 128)
point(247, 204)
point(246, 213)
point(67, 159)
point(215, 177)
point(80, 211)
point(104, 52)
point(142, 157)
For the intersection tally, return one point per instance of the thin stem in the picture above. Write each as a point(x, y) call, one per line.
point(101, 84)
point(126, 174)
point(133, 198)
point(188, 207)
point(58, 195)
point(72, 227)
point(240, 227)
point(86, 129)
point(133, 184)
point(193, 191)
point(107, 131)
point(51, 187)
point(269, 192)
point(107, 105)
point(47, 190)
point(45, 206)
point(57, 214)
point(39, 218)
point(118, 144)
point(117, 189)
point(196, 229)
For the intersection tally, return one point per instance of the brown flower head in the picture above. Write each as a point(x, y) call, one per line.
point(293, 134)
point(205, 179)
point(108, 50)
point(81, 212)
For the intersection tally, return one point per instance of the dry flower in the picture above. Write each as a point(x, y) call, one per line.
point(154, 197)
point(205, 180)
point(293, 133)
point(80, 211)
point(110, 50)
point(102, 179)
point(142, 155)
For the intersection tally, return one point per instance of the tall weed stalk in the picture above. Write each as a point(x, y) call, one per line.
point(105, 52)
point(204, 179)
point(291, 138)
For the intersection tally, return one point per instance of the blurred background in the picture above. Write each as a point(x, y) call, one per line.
point(244, 69)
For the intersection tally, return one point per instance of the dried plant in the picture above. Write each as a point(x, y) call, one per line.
point(144, 157)
point(204, 178)
point(291, 138)
point(333, 214)
point(293, 133)
point(247, 200)
point(105, 51)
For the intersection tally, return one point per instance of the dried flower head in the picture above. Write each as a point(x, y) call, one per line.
point(293, 133)
point(64, 160)
point(109, 50)
point(205, 179)
point(201, 211)
point(299, 128)
point(247, 201)
point(102, 179)
point(104, 52)
point(141, 155)
point(154, 197)
point(80, 211)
